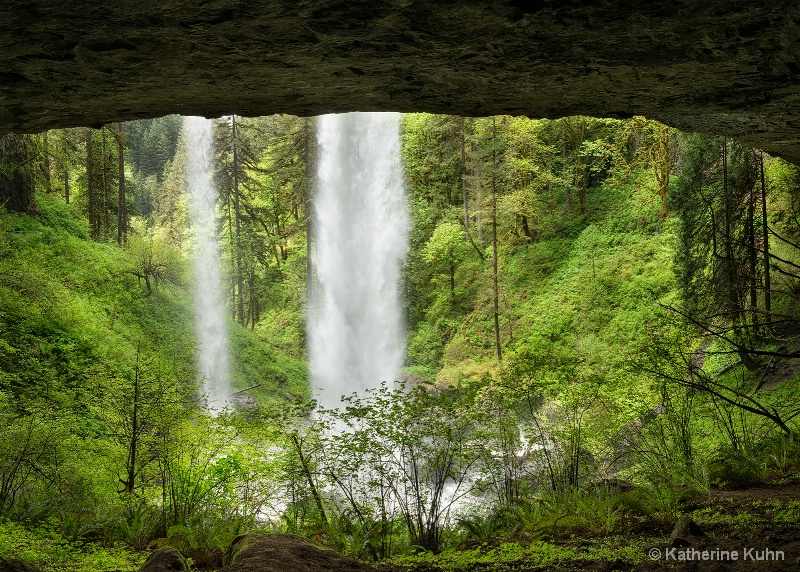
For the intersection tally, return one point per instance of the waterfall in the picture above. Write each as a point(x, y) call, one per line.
point(355, 323)
point(211, 330)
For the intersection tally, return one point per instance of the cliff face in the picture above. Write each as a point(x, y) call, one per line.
point(721, 66)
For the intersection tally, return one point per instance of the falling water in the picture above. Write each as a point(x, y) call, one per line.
point(211, 331)
point(356, 333)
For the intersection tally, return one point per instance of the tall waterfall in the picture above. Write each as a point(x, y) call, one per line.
point(356, 329)
point(211, 330)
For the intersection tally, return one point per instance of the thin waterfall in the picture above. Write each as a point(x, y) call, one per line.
point(355, 323)
point(211, 330)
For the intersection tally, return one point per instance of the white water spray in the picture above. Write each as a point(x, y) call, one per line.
point(356, 330)
point(211, 330)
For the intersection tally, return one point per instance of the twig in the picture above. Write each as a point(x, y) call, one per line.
point(246, 389)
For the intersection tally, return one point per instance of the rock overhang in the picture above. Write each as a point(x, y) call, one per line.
point(719, 66)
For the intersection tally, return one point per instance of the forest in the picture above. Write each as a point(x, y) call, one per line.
point(601, 329)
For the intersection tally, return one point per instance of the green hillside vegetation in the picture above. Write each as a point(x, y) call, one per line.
point(80, 333)
point(602, 326)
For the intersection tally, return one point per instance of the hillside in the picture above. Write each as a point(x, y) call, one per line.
point(80, 338)
point(75, 314)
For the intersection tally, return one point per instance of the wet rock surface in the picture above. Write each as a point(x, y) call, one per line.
point(721, 66)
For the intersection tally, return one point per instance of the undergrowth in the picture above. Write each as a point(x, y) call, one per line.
point(47, 550)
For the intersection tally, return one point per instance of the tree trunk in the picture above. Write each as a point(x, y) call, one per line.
point(733, 302)
point(104, 164)
point(90, 184)
point(122, 220)
point(730, 271)
point(452, 284)
point(526, 229)
point(65, 165)
point(582, 169)
point(662, 169)
point(765, 231)
point(464, 174)
point(564, 162)
point(252, 309)
point(17, 184)
point(256, 310)
point(46, 165)
point(479, 201)
point(238, 218)
point(309, 208)
point(496, 293)
point(751, 236)
point(130, 483)
point(232, 241)
point(310, 479)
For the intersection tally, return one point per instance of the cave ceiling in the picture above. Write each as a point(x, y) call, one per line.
point(718, 66)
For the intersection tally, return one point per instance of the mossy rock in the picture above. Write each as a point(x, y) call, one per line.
point(285, 553)
point(164, 560)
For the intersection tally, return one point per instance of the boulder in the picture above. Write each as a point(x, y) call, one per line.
point(285, 553)
point(164, 560)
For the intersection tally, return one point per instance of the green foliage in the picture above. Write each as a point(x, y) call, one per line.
point(445, 244)
point(409, 444)
point(105, 441)
point(134, 521)
point(152, 143)
point(760, 461)
point(44, 548)
point(535, 555)
point(154, 260)
point(709, 517)
point(82, 345)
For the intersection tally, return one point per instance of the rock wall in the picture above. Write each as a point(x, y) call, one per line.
point(721, 66)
